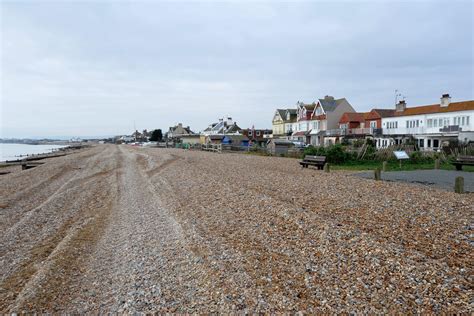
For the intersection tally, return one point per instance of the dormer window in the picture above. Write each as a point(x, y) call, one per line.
point(319, 111)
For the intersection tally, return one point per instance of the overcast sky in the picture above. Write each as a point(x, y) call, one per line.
point(97, 67)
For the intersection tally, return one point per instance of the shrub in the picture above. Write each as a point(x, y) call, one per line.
point(334, 153)
point(419, 157)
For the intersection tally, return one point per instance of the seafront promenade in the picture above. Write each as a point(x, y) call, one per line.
point(115, 228)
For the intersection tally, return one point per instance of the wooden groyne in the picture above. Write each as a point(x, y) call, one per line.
point(31, 161)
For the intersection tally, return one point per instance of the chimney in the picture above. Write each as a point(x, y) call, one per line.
point(180, 124)
point(445, 100)
point(329, 98)
point(221, 120)
point(401, 106)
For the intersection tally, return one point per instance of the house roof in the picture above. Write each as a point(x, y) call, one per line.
point(299, 134)
point(281, 112)
point(383, 112)
point(329, 104)
point(309, 107)
point(437, 108)
point(352, 117)
point(223, 127)
point(235, 138)
point(282, 142)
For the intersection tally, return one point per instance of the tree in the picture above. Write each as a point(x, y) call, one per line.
point(156, 136)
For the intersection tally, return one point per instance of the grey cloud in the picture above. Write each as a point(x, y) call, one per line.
point(91, 68)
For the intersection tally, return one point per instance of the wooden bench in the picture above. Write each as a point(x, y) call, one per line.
point(317, 161)
point(463, 160)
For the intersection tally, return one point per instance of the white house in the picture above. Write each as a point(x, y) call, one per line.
point(302, 126)
point(431, 126)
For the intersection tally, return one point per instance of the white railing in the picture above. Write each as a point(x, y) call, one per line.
point(404, 131)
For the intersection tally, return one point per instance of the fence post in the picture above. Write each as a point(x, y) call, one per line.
point(326, 167)
point(377, 174)
point(459, 185)
point(384, 166)
point(437, 163)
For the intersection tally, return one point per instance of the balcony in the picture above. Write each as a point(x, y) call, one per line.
point(362, 131)
point(404, 131)
point(450, 129)
point(335, 132)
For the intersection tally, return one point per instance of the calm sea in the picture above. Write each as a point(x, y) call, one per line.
point(12, 151)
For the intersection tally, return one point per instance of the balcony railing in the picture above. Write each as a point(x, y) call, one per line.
point(335, 132)
point(450, 128)
point(361, 131)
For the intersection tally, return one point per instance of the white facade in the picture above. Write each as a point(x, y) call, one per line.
point(430, 130)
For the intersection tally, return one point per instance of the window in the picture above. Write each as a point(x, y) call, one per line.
point(440, 122)
point(417, 123)
point(373, 124)
point(389, 124)
point(435, 123)
point(467, 120)
point(421, 143)
point(462, 120)
point(258, 133)
point(429, 143)
point(435, 143)
point(430, 123)
point(250, 133)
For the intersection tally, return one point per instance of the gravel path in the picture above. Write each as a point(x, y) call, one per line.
point(123, 229)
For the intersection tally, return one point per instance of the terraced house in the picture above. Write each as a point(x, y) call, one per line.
point(302, 126)
point(363, 125)
point(325, 120)
point(430, 126)
point(282, 122)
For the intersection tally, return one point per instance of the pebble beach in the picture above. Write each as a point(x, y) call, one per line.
point(126, 229)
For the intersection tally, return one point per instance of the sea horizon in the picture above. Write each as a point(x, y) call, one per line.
point(16, 151)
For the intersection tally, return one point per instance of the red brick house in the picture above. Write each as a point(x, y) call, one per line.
point(257, 136)
point(363, 124)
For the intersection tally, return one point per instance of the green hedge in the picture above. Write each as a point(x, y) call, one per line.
point(334, 154)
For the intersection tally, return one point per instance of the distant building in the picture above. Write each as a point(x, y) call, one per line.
point(223, 127)
point(324, 126)
point(141, 137)
point(280, 146)
point(178, 131)
point(191, 139)
point(215, 132)
point(257, 137)
point(282, 122)
point(363, 125)
point(431, 126)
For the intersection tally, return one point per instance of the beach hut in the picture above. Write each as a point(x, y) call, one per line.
point(280, 146)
